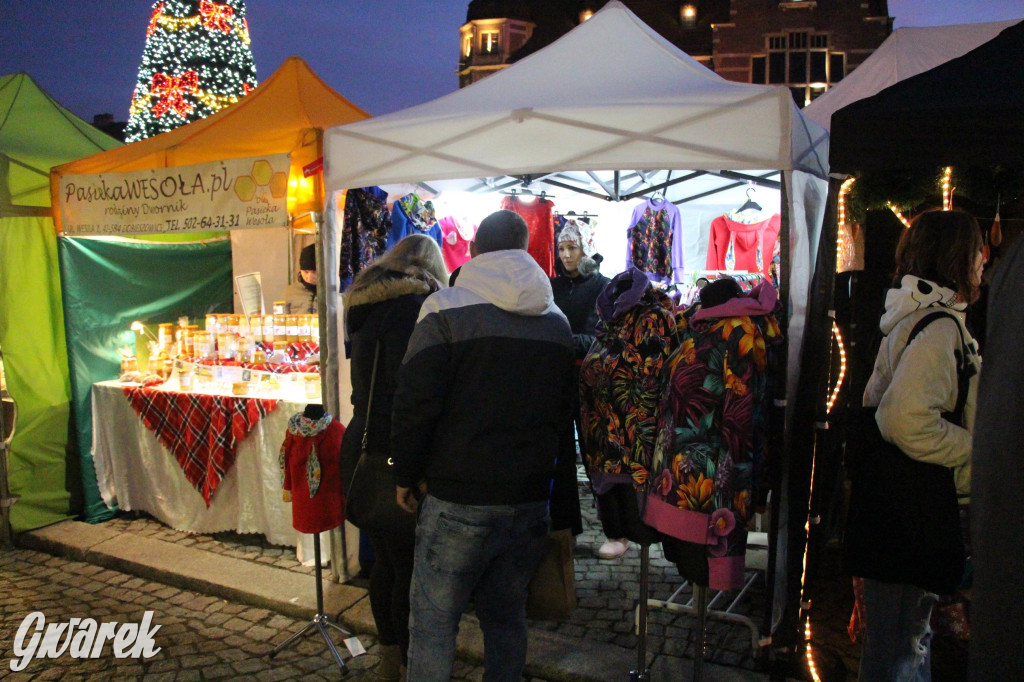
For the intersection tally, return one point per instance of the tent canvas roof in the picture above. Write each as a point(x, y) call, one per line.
point(905, 53)
point(268, 120)
point(37, 133)
point(968, 111)
point(610, 94)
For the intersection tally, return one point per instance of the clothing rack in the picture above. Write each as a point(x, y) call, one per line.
point(573, 214)
point(700, 606)
point(528, 193)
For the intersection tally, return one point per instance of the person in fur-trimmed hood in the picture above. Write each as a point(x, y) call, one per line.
point(381, 307)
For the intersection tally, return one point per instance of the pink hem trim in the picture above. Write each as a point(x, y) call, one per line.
point(683, 524)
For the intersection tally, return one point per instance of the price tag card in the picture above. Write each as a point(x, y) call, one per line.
point(355, 647)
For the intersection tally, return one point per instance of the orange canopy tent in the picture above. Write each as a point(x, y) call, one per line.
point(286, 113)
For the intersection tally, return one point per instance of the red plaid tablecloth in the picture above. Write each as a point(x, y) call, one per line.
point(203, 431)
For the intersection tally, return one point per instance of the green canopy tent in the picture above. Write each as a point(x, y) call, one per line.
point(36, 133)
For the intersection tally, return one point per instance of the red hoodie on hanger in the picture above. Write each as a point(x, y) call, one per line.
point(745, 246)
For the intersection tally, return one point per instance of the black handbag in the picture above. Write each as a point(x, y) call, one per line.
point(370, 501)
point(903, 522)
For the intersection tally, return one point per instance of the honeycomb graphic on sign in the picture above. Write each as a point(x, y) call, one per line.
point(261, 175)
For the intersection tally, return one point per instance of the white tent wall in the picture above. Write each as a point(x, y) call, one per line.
point(613, 95)
point(334, 365)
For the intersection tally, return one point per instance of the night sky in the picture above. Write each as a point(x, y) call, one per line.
point(383, 55)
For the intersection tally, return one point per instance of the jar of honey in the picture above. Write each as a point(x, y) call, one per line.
point(292, 328)
point(304, 328)
point(204, 347)
point(227, 346)
point(280, 328)
point(268, 329)
point(165, 335)
point(256, 327)
point(212, 324)
point(280, 307)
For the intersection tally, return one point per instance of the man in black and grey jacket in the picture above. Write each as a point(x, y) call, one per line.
point(481, 413)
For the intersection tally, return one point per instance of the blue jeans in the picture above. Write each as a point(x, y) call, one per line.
point(486, 553)
point(897, 638)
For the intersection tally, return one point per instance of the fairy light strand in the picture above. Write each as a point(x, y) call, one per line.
point(947, 189)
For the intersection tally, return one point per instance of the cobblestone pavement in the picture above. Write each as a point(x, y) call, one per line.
point(607, 590)
point(200, 637)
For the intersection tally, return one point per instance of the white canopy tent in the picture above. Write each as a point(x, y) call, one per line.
point(905, 53)
point(606, 101)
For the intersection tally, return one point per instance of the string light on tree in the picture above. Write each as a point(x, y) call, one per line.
point(896, 211)
point(197, 60)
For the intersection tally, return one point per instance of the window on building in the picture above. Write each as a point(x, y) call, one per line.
point(836, 67)
point(800, 60)
point(467, 46)
point(758, 69)
point(490, 42)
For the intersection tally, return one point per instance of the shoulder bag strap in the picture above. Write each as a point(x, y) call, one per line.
point(962, 365)
point(369, 399)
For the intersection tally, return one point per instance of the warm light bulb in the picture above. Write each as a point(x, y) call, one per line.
point(585, 14)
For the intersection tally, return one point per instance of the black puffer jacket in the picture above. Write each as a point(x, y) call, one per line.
point(577, 298)
point(383, 309)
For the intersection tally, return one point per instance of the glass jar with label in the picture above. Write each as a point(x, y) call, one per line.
point(227, 346)
point(256, 327)
point(212, 324)
point(314, 328)
point(165, 335)
point(204, 348)
point(312, 382)
point(231, 324)
point(304, 328)
point(244, 349)
point(268, 329)
point(185, 379)
point(280, 307)
point(280, 328)
point(292, 328)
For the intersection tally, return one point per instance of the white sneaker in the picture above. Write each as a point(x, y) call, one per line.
point(613, 549)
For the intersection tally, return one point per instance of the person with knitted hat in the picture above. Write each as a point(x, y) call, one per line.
point(576, 289)
point(300, 295)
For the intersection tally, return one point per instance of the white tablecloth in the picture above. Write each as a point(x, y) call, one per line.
point(136, 472)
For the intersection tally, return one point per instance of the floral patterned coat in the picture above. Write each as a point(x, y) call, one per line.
point(710, 433)
point(620, 380)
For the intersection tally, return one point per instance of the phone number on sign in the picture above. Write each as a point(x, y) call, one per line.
point(216, 222)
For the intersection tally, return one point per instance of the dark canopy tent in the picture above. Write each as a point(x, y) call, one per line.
point(968, 111)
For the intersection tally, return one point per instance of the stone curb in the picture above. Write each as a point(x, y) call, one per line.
point(551, 656)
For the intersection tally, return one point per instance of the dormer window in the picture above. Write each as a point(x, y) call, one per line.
point(490, 42)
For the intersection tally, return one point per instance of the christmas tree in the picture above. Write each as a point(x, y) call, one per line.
point(197, 60)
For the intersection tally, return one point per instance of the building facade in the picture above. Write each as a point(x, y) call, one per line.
point(806, 45)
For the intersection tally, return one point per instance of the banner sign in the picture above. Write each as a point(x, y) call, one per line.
point(221, 195)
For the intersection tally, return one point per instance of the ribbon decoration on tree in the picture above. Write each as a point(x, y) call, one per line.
point(158, 12)
point(216, 16)
point(172, 91)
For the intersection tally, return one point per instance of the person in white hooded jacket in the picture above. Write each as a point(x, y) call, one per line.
point(481, 413)
point(939, 263)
